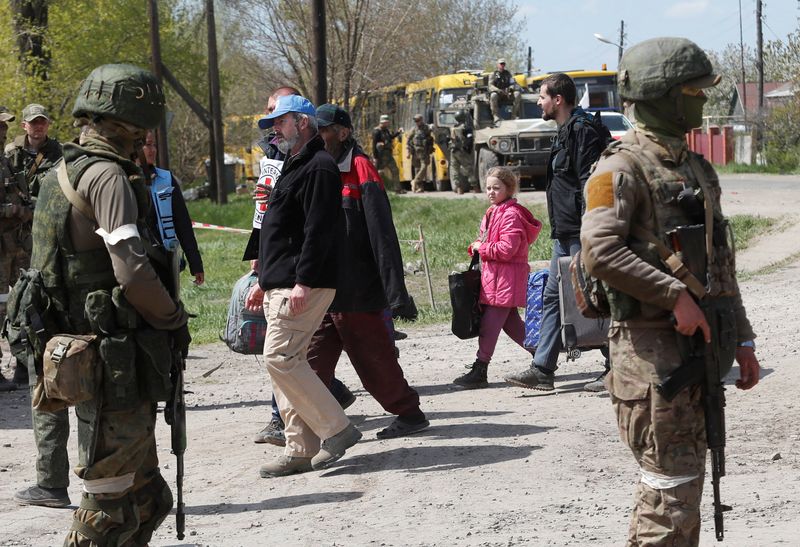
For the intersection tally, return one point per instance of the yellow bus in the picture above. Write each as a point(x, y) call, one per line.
point(600, 84)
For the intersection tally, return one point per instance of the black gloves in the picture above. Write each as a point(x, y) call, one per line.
point(181, 339)
point(407, 310)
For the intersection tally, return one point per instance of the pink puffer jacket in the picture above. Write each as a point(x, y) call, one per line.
point(504, 255)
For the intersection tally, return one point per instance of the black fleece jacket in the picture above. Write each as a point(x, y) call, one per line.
point(301, 229)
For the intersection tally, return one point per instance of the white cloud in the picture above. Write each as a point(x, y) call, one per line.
point(687, 8)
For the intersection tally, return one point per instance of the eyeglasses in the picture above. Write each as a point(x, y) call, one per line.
point(692, 91)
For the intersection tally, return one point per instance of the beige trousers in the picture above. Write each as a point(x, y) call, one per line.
point(307, 407)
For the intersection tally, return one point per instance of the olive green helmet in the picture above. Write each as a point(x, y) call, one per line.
point(124, 92)
point(649, 69)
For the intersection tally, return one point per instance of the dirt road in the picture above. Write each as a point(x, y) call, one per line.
point(498, 467)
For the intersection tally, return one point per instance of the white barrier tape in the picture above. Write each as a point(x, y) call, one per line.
point(204, 226)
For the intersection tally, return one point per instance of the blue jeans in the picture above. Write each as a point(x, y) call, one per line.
point(550, 344)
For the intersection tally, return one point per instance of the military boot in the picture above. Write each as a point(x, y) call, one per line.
point(475, 378)
point(7, 385)
point(45, 497)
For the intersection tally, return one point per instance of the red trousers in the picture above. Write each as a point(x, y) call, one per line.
point(370, 346)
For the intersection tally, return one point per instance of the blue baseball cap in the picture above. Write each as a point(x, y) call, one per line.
point(286, 104)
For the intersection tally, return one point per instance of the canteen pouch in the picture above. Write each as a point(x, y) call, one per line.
point(71, 371)
point(100, 313)
point(154, 360)
point(118, 353)
point(40, 401)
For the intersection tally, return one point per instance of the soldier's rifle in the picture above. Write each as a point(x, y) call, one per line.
point(701, 364)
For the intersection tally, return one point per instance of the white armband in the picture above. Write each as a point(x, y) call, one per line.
point(126, 231)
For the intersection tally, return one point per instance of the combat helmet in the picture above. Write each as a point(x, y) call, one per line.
point(650, 69)
point(124, 92)
point(461, 115)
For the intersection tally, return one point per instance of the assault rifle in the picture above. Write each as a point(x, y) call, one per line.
point(175, 416)
point(704, 364)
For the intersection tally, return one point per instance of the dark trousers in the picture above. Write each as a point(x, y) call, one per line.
point(370, 346)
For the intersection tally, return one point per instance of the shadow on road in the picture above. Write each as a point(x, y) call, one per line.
point(430, 458)
point(285, 502)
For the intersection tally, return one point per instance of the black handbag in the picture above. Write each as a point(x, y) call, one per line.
point(465, 289)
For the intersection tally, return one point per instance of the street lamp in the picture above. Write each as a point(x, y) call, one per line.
point(605, 40)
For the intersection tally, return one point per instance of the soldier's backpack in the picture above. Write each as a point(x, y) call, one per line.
point(245, 331)
point(533, 308)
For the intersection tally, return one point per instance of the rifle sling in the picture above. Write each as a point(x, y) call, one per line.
point(72, 195)
point(34, 167)
point(676, 266)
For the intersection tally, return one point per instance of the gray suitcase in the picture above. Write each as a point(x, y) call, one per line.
point(578, 333)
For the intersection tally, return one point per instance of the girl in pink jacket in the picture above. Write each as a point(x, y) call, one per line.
point(507, 231)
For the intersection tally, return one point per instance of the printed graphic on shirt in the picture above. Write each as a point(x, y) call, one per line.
point(270, 172)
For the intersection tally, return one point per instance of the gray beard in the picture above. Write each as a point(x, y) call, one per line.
point(285, 146)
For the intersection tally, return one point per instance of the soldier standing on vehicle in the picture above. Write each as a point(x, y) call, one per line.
point(33, 153)
point(97, 233)
point(462, 171)
point(419, 148)
point(647, 190)
point(383, 152)
point(503, 88)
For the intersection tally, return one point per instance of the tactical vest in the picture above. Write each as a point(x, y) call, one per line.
point(665, 186)
point(70, 275)
point(161, 192)
point(420, 138)
point(11, 198)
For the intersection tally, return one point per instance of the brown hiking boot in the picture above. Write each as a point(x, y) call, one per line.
point(285, 465)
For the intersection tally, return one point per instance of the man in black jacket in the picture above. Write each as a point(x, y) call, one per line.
point(370, 280)
point(576, 148)
point(296, 285)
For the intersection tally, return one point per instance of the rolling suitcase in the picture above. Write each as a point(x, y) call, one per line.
point(578, 333)
point(533, 307)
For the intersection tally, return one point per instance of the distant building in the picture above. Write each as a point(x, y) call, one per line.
point(774, 93)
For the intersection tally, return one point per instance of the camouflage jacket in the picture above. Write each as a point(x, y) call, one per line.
point(29, 164)
point(420, 140)
point(15, 205)
point(500, 80)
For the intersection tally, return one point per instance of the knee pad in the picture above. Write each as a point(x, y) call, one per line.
point(154, 502)
point(103, 522)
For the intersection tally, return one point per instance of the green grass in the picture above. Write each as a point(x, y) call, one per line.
point(735, 168)
point(449, 227)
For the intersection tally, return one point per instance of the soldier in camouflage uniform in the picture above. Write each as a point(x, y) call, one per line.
point(33, 153)
point(15, 213)
point(383, 153)
point(633, 191)
point(92, 226)
point(419, 148)
point(462, 174)
point(503, 88)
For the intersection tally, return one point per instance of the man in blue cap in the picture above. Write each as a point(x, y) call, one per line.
point(296, 285)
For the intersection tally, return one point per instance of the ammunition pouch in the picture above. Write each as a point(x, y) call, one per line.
point(71, 371)
point(136, 360)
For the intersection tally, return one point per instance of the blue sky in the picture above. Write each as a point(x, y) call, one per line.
point(561, 33)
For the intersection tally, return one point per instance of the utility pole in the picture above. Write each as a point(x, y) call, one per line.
point(155, 67)
point(530, 60)
point(217, 142)
point(319, 59)
point(760, 61)
point(621, 42)
point(743, 98)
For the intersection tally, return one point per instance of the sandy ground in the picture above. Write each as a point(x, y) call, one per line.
point(498, 467)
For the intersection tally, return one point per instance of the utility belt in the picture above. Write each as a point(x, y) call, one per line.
point(121, 363)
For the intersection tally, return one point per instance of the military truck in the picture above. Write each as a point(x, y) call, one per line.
point(521, 143)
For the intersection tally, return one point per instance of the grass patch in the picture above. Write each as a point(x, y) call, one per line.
point(747, 227)
point(736, 168)
point(449, 227)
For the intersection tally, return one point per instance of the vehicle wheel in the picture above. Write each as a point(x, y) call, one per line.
point(486, 160)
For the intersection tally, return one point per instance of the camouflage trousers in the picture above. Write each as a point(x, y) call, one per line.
point(667, 439)
point(420, 161)
point(129, 498)
point(461, 173)
point(387, 168)
point(51, 433)
point(13, 257)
